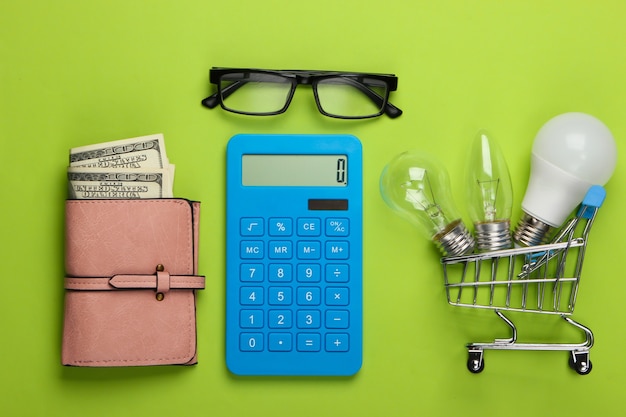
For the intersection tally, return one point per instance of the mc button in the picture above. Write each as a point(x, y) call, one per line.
point(251, 249)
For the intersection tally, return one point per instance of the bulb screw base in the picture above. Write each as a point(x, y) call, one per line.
point(454, 240)
point(492, 236)
point(531, 231)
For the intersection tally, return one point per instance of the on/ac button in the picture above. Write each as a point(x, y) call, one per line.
point(337, 226)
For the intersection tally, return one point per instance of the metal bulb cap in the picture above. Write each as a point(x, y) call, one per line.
point(531, 231)
point(492, 236)
point(455, 239)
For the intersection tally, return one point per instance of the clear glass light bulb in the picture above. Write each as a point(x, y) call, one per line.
point(571, 152)
point(489, 193)
point(417, 187)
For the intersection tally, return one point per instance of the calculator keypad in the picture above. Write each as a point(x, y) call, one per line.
point(294, 293)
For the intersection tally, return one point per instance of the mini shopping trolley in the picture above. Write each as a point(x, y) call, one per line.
point(540, 279)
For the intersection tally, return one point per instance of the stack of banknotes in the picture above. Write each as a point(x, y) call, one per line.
point(128, 168)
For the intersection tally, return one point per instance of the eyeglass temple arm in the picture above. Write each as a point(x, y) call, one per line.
point(390, 110)
point(213, 100)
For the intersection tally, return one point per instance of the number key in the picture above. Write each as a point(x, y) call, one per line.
point(251, 342)
point(251, 273)
point(308, 319)
point(279, 296)
point(251, 319)
point(251, 295)
point(279, 319)
point(309, 296)
point(280, 273)
point(308, 273)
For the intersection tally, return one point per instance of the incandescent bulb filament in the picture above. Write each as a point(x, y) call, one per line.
point(416, 194)
point(416, 186)
point(489, 194)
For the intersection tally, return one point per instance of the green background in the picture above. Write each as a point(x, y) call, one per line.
point(74, 73)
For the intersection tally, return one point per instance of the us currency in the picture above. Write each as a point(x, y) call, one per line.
point(99, 183)
point(140, 152)
point(127, 168)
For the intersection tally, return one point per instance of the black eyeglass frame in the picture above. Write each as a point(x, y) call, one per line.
point(306, 77)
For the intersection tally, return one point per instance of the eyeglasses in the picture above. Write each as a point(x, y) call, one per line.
point(343, 95)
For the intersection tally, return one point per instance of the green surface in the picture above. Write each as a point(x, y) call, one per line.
point(74, 73)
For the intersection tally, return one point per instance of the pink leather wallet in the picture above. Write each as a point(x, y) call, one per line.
point(131, 276)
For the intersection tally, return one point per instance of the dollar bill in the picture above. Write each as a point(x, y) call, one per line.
point(99, 183)
point(140, 152)
point(127, 168)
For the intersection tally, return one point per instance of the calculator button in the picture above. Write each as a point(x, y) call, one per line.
point(337, 250)
point(337, 273)
point(280, 273)
point(251, 319)
point(337, 296)
point(279, 342)
point(251, 226)
point(251, 296)
point(251, 273)
point(309, 227)
point(251, 342)
point(309, 273)
point(308, 296)
point(309, 250)
point(278, 319)
point(280, 249)
point(308, 319)
point(280, 226)
point(309, 342)
point(337, 342)
point(251, 249)
point(337, 227)
point(279, 296)
point(337, 319)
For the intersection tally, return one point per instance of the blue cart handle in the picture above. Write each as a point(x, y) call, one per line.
point(593, 200)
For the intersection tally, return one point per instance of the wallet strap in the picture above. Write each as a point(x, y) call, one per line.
point(162, 282)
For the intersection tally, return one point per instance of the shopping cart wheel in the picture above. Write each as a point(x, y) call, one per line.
point(475, 362)
point(579, 361)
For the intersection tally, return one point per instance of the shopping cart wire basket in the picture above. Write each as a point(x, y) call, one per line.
point(540, 279)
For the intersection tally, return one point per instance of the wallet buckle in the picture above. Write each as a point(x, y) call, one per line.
point(163, 282)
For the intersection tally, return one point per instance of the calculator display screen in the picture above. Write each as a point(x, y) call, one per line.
point(294, 170)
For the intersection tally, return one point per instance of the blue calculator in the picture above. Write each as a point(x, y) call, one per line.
point(294, 255)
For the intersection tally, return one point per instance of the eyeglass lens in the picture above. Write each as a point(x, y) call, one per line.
point(262, 93)
point(255, 93)
point(351, 97)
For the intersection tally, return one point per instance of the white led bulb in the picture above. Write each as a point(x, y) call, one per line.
point(571, 152)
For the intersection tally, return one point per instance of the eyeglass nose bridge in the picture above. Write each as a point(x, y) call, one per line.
point(304, 79)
